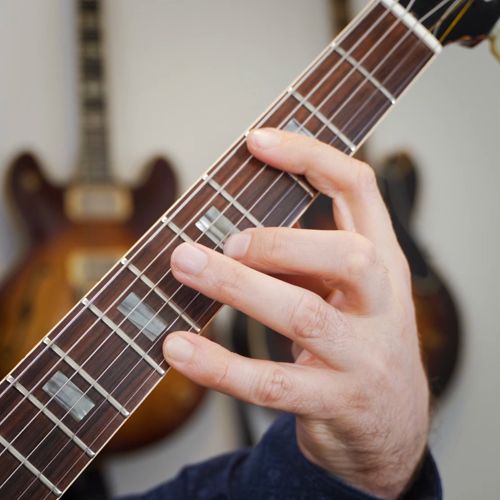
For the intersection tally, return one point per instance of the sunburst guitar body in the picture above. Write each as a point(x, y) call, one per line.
point(75, 234)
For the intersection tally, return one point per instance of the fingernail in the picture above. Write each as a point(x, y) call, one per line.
point(237, 245)
point(265, 138)
point(178, 349)
point(189, 259)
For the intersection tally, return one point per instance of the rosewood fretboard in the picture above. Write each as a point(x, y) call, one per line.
point(66, 399)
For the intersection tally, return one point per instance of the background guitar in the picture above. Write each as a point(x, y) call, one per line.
point(76, 232)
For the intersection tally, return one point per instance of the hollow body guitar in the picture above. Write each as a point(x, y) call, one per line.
point(68, 397)
point(65, 257)
point(77, 232)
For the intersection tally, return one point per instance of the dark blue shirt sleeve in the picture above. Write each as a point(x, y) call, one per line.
point(276, 469)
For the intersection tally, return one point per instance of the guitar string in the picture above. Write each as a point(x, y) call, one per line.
point(282, 222)
point(268, 214)
point(301, 201)
point(403, 85)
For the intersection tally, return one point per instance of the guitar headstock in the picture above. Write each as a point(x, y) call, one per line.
point(465, 21)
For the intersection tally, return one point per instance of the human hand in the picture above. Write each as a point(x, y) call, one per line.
point(357, 386)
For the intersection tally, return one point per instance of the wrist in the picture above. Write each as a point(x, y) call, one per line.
point(381, 475)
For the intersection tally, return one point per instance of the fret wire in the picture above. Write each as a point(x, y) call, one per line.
point(26, 463)
point(45, 411)
point(367, 74)
point(374, 93)
point(406, 82)
point(343, 138)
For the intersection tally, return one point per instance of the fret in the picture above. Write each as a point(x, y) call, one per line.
point(206, 198)
point(197, 307)
point(34, 470)
point(93, 383)
point(411, 22)
point(37, 438)
point(291, 111)
point(86, 449)
point(132, 281)
point(256, 187)
point(167, 300)
point(109, 357)
point(302, 183)
point(45, 363)
point(15, 477)
point(233, 201)
point(379, 53)
point(176, 229)
point(359, 67)
point(116, 329)
point(326, 122)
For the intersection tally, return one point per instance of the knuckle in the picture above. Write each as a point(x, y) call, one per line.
point(272, 386)
point(229, 283)
point(357, 398)
point(361, 261)
point(366, 180)
point(271, 246)
point(220, 379)
point(309, 317)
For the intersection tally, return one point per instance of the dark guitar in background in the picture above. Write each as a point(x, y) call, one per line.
point(77, 232)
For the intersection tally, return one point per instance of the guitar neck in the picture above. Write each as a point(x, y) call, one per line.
point(93, 159)
point(67, 398)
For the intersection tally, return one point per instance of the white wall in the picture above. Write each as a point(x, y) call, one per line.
point(185, 78)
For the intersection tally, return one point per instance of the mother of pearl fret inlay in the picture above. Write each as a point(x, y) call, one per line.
point(89, 379)
point(38, 404)
point(297, 128)
point(216, 226)
point(26, 463)
point(68, 395)
point(168, 300)
point(142, 316)
point(116, 329)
